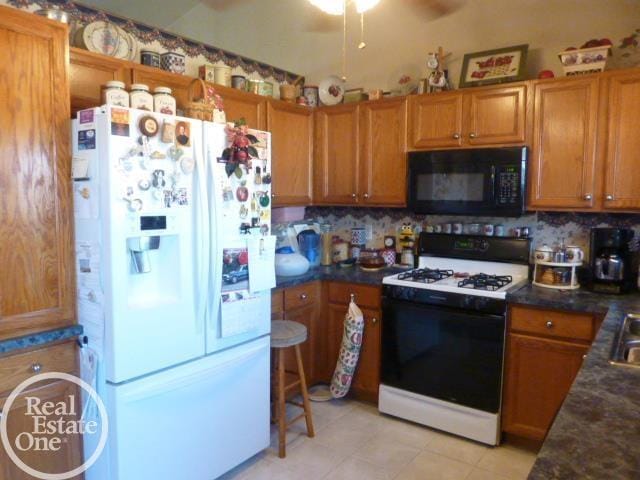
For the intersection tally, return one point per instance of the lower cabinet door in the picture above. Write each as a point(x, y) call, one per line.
point(539, 374)
point(21, 420)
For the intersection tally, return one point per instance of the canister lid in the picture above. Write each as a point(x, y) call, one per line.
point(166, 90)
point(140, 86)
point(115, 84)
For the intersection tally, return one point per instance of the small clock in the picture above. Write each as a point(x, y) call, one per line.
point(148, 126)
point(389, 241)
point(432, 61)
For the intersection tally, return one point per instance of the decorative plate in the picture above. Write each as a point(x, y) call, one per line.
point(331, 90)
point(107, 39)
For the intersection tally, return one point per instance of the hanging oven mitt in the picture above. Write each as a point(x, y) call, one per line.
point(349, 351)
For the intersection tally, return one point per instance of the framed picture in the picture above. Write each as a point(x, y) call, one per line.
point(494, 66)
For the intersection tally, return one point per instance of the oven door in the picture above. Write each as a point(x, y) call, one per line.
point(487, 181)
point(444, 353)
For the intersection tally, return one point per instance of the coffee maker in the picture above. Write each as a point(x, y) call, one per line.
point(614, 266)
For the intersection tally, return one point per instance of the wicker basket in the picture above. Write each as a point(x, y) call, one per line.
point(204, 102)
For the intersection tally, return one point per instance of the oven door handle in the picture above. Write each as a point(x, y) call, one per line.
point(493, 185)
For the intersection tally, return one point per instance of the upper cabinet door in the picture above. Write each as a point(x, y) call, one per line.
point(154, 77)
point(37, 284)
point(496, 116)
point(384, 159)
point(622, 186)
point(291, 128)
point(436, 120)
point(336, 157)
point(238, 104)
point(88, 72)
point(562, 163)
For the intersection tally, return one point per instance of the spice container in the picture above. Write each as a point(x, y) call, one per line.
point(140, 97)
point(115, 94)
point(163, 101)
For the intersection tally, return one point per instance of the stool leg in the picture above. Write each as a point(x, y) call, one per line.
point(282, 414)
point(305, 394)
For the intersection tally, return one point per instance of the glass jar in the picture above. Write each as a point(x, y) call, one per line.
point(327, 244)
point(163, 101)
point(114, 93)
point(140, 97)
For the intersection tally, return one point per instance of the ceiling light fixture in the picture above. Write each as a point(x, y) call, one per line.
point(339, 7)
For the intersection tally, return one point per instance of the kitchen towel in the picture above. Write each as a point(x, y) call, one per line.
point(349, 351)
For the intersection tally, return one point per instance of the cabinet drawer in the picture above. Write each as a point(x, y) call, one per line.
point(578, 326)
point(365, 296)
point(17, 368)
point(301, 296)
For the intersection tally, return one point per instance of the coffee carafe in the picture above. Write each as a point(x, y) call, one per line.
point(614, 267)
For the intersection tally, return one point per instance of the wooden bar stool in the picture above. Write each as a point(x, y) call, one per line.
point(284, 334)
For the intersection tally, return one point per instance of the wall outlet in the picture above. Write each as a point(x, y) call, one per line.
point(368, 229)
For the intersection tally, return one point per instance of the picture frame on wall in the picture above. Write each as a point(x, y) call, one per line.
point(489, 67)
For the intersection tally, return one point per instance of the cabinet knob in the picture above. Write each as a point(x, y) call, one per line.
point(353, 195)
point(588, 196)
point(36, 367)
point(303, 296)
point(609, 197)
point(472, 135)
point(273, 195)
point(366, 195)
point(374, 320)
point(584, 356)
point(549, 324)
point(456, 136)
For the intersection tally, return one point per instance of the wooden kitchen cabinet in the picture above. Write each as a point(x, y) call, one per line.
point(383, 162)
point(154, 77)
point(493, 116)
point(291, 128)
point(37, 285)
point(239, 104)
point(435, 120)
point(545, 350)
point(302, 304)
point(563, 161)
point(19, 367)
point(88, 72)
point(366, 380)
point(622, 173)
point(336, 155)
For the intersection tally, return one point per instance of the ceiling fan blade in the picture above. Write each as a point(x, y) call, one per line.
point(221, 5)
point(317, 21)
point(435, 8)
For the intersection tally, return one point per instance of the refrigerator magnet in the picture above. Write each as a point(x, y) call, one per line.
point(168, 134)
point(158, 179)
point(144, 185)
point(187, 165)
point(157, 155)
point(175, 152)
point(183, 133)
point(148, 126)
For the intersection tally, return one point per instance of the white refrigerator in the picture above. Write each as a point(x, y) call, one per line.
point(173, 251)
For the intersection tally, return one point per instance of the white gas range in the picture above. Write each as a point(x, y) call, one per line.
point(444, 332)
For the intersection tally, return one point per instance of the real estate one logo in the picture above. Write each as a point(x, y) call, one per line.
point(49, 424)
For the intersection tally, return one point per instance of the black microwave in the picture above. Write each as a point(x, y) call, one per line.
point(488, 181)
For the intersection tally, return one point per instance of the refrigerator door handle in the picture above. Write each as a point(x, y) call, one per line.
point(214, 247)
point(203, 242)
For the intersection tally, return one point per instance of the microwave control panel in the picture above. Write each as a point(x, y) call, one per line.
point(507, 185)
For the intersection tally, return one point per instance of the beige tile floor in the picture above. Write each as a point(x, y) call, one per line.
point(355, 442)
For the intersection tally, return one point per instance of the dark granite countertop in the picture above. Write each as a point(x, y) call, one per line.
point(12, 345)
point(351, 274)
point(597, 431)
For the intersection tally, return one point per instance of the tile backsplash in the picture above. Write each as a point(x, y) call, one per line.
point(546, 227)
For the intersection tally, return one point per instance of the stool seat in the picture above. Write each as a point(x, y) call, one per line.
point(285, 333)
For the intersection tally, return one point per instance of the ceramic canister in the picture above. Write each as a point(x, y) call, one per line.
point(574, 254)
point(265, 89)
point(544, 253)
point(254, 85)
point(151, 58)
point(172, 62)
point(239, 82)
point(222, 75)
